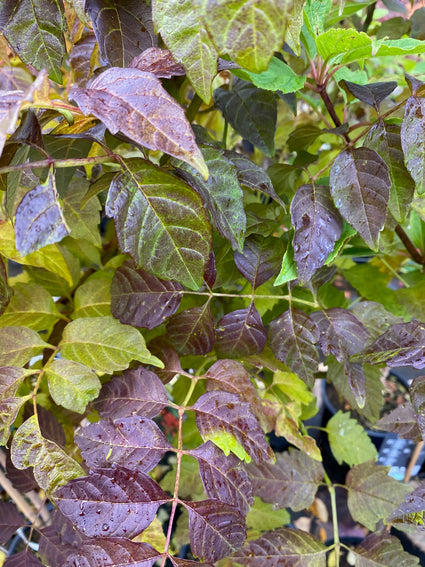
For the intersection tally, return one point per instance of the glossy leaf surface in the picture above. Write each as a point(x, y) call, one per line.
point(135, 103)
point(373, 93)
point(125, 500)
point(145, 203)
point(116, 552)
point(360, 185)
point(240, 333)
point(260, 259)
point(192, 330)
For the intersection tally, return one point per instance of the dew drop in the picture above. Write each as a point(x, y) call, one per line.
point(105, 527)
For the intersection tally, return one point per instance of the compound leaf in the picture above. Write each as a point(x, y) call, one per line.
point(192, 331)
point(117, 502)
point(135, 103)
point(123, 29)
point(285, 546)
point(372, 494)
point(360, 184)
point(260, 259)
point(291, 482)
point(39, 218)
point(34, 29)
point(252, 112)
point(71, 384)
point(141, 299)
point(222, 411)
point(135, 391)
point(104, 344)
point(188, 41)
point(161, 223)
point(136, 441)
point(318, 225)
point(216, 529)
point(413, 140)
point(292, 338)
point(349, 441)
point(240, 333)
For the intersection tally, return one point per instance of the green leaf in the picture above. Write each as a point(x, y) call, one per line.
point(222, 195)
point(295, 23)
point(9, 408)
point(248, 32)
point(413, 140)
point(50, 257)
point(161, 223)
point(413, 300)
point(385, 139)
point(339, 45)
point(5, 291)
point(18, 345)
point(83, 222)
point(372, 494)
point(293, 387)
point(34, 29)
point(404, 46)
point(288, 271)
point(104, 344)
point(277, 77)
point(30, 306)
point(72, 385)
point(93, 297)
point(189, 42)
point(52, 466)
point(228, 444)
point(349, 441)
point(263, 516)
point(252, 112)
point(315, 13)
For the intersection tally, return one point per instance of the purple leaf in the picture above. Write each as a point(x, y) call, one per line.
point(222, 411)
point(123, 29)
point(39, 218)
point(414, 503)
point(292, 338)
point(210, 274)
point(383, 549)
point(80, 58)
point(224, 478)
point(111, 502)
point(23, 559)
point(292, 482)
point(135, 102)
point(177, 562)
point(161, 222)
point(135, 391)
point(260, 259)
point(10, 521)
point(318, 225)
point(360, 186)
point(11, 378)
point(22, 480)
point(141, 299)
point(192, 331)
point(400, 345)
point(113, 552)
point(158, 61)
point(136, 441)
point(417, 394)
point(283, 547)
point(216, 529)
point(58, 540)
point(413, 139)
point(163, 349)
point(402, 420)
point(240, 333)
point(373, 93)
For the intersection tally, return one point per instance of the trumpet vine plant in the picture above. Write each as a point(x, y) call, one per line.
point(186, 189)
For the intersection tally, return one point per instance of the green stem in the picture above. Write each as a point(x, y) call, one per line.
point(58, 163)
point(397, 275)
point(332, 495)
point(194, 106)
point(249, 296)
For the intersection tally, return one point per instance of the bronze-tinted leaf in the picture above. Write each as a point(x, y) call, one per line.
point(123, 28)
point(115, 502)
point(136, 441)
point(260, 259)
point(221, 411)
point(216, 529)
point(135, 103)
point(318, 225)
point(161, 222)
point(413, 140)
point(252, 112)
point(137, 391)
point(374, 317)
point(402, 420)
point(5, 291)
point(292, 338)
point(240, 333)
point(58, 540)
point(412, 510)
point(383, 550)
point(192, 331)
point(39, 218)
point(158, 61)
point(360, 185)
point(113, 551)
point(291, 482)
point(385, 139)
point(81, 58)
point(10, 521)
point(373, 93)
point(141, 299)
point(285, 546)
point(224, 477)
point(24, 558)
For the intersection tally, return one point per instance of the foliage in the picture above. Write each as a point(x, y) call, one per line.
point(186, 188)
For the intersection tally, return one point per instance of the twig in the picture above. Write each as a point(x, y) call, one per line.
point(413, 460)
point(19, 500)
point(415, 255)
